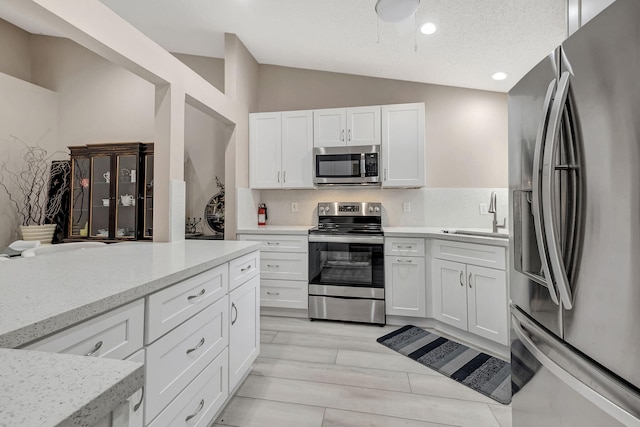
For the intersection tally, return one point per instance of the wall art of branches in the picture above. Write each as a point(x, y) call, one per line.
point(26, 183)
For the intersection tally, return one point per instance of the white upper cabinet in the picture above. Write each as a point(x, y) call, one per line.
point(281, 149)
point(403, 151)
point(338, 127)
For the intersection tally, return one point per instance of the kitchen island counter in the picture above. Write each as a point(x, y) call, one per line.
point(48, 293)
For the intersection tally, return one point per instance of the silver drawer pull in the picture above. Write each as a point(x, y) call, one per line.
point(469, 279)
point(139, 404)
point(195, 414)
point(404, 260)
point(405, 247)
point(248, 267)
point(461, 284)
point(95, 348)
point(273, 265)
point(273, 243)
point(198, 295)
point(273, 293)
point(196, 347)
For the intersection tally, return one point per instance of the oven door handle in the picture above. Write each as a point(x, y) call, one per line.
point(372, 240)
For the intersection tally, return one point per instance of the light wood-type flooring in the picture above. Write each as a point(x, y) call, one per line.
point(330, 374)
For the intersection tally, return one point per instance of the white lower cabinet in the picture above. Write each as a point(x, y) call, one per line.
point(197, 404)
point(471, 297)
point(244, 329)
point(405, 282)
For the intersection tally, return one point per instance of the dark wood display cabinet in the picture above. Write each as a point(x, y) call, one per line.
point(111, 191)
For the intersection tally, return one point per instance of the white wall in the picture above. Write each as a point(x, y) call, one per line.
point(29, 113)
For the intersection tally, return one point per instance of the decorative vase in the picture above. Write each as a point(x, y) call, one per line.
point(44, 233)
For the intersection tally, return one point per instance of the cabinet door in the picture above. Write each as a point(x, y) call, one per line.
point(244, 329)
point(80, 201)
point(265, 135)
point(329, 127)
point(102, 198)
point(126, 196)
point(449, 292)
point(403, 145)
point(363, 126)
point(147, 205)
point(297, 149)
point(130, 413)
point(487, 302)
point(405, 286)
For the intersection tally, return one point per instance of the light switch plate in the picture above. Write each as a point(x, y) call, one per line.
point(406, 207)
point(484, 209)
point(294, 206)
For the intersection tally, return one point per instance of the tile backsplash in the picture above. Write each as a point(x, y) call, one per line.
point(428, 207)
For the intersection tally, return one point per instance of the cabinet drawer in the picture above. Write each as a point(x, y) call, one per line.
point(284, 266)
point(470, 253)
point(402, 246)
point(200, 401)
point(284, 294)
point(243, 268)
point(114, 335)
point(177, 358)
point(172, 306)
point(279, 242)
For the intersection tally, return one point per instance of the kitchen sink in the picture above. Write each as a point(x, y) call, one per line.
point(481, 234)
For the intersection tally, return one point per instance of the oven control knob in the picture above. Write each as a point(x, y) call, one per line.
point(370, 208)
point(377, 209)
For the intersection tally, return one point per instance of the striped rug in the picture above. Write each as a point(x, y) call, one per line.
point(479, 371)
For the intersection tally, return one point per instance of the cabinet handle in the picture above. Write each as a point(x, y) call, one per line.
point(278, 176)
point(273, 265)
point(385, 175)
point(284, 176)
point(349, 135)
point(95, 348)
point(273, 243)
point(405, 247)
point(198, 295)
point(248, 267)
point(191, 350)
point(195, 414)
point(233, 307)
point(139, 404)
point(404, 260)
point(461, 284)
point(470, 280)
point(273, 293)
point(342, 135)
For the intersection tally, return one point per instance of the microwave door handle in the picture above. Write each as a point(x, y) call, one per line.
point(363, 168)
point(536, 197)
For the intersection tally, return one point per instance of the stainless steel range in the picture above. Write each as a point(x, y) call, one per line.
point(346, 263)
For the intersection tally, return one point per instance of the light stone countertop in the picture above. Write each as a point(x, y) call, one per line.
point(446, 234)
point(46, 293)
point(50, 389)
point(275, 229)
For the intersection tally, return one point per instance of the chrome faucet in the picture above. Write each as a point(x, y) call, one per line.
point(493, 209)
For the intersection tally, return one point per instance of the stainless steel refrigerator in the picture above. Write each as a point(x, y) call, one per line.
point(574, 178)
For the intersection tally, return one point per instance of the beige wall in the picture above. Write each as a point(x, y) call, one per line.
point(15, 59)
point(211, 69)
point(466, 130)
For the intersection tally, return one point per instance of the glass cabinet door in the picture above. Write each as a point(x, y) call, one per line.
point(80, 203)
point(148, 197)
point(126, 196)
point(100, 196)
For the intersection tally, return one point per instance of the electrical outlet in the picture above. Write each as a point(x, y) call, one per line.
point(294, 206)
point(484, 209)
point(406, 207)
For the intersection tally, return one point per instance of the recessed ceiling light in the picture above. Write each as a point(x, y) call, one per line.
point(428, 28)
point(499, 75)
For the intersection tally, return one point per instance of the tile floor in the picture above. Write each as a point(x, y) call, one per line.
point(331, 374)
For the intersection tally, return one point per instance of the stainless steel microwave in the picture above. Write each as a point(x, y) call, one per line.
point(357, 165)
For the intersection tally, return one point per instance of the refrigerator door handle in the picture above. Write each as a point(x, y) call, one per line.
point(535, 194)
point(548, 192)
point(612, 397)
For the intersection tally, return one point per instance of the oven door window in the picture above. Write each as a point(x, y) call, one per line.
point(338, 165)
point(348, 264)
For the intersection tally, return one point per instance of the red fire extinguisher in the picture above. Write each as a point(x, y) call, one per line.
point(262, 214)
